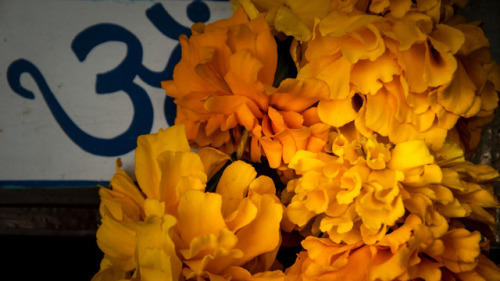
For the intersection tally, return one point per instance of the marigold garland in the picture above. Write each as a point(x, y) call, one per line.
point(333, 141)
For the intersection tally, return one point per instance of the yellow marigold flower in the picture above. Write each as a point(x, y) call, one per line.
point(223, 84)
point(155, 253)
point(126, 210)
point(143, 246)
point(438, 10)
point(450, 188)
point(417, 253)
point(485, 270)
point(292, 17)
point(325, 260)
point(353, 194)
point(485, 76)
point(121, 209)
point(396, 8)
point(410, 252)
point(406, 76)
point(229, 228)
point(471, 185)
point(361, 188)
point(170, 226)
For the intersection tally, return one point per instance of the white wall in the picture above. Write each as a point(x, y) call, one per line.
point(33, 145)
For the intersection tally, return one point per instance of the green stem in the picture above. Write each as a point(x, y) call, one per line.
point(242, 145)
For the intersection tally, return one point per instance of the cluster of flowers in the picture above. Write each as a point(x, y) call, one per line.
point(338, 129)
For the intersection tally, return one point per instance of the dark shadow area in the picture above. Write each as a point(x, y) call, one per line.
point(49, 258)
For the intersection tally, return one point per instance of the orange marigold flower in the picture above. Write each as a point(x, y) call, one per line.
point(224, 84)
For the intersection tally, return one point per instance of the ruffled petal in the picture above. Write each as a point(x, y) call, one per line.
point(233, 185)
point(199, 214)
point(149, 147)
point(410, 154)
point(336, 112)
point(262, 234)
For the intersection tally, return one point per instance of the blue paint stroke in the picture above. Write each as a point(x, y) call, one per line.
point(197, 11)
point(118, 79)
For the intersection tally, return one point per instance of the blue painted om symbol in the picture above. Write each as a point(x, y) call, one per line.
point(118, 79)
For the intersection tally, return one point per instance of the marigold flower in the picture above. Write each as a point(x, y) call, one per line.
point(126, 210)
point(292, 17)
point(371, 139)
point(171, 226)
point(353, 194)
point(135, 235)
point(224, 84)
point(410, 252)
point(460, 189)
point(361, 188)
point(325, 260)
point(405, 76)
point(155, 253)
point(230, 228)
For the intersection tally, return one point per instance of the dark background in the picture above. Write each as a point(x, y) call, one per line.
point(49, 233)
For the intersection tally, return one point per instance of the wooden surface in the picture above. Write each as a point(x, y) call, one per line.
point(70, 212)
point(49, 234)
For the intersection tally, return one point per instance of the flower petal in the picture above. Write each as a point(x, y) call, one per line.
point(336, 112)
point(410, 154)
point(149, 147)
point(181, 171)
point(233, 185)
point(263, 233)
point(199, 214)
point(213, 160)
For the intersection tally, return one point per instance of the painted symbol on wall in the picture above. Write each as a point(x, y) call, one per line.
point(119, 79)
